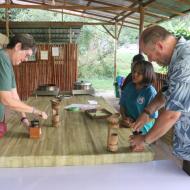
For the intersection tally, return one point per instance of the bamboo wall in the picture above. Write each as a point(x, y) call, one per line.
point(159, 81)
point(60, 70)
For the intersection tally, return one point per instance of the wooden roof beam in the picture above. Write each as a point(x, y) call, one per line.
point(156, 15)
point(102, 3)
point(88, 4)
point(164, 9)
point(107, 11)
point(105, 3)
point(67, 3)
point(109, 32)
point(76, 7)
point(43, 24)
point(81, 12)
point(167, 18)
point(184, 2)
point(123, 12)
point(137, 19)
point(143, 5)
point(102, 20)
point(86, 13)
point(74, 12)
point(109, 22)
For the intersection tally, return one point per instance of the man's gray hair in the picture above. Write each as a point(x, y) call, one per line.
point(154, 34)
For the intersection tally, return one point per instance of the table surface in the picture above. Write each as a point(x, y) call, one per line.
point(78, 141)
point(152, 175)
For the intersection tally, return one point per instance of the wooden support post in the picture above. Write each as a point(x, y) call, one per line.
point(70, 35)
point(141, 25)
point(62, 15)
point(108, 31)
point(7, 18)
point(115, 52)
point(119, 32)
point(49, 34)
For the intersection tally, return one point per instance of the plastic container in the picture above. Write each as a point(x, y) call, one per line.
point(116, 89)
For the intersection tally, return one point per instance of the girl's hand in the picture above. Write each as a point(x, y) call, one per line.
point(127, 121)
point(140, 122)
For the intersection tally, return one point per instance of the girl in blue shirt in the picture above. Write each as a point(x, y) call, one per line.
point(137, 94)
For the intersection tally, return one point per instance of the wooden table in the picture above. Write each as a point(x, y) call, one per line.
point(78, 141)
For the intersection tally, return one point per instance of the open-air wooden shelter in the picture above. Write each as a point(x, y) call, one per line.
point(79, 140)
point(62, 70)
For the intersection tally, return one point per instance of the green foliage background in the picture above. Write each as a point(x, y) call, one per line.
point(96, 46)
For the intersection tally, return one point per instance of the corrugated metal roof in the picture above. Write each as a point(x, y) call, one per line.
point(115, 11)
point(44, 32)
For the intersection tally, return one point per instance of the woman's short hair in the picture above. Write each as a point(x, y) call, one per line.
point(147, 70)
point(26, 40)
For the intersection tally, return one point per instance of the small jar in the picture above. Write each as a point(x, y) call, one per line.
point(35, 123)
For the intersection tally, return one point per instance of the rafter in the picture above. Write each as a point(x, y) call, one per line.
point(88, 4)
point(43, 24)
point(77, 7)
point(167, 19)
point(124, 12)
point(95, 1)
point(101, 18)
point(130, 13)
point(74, 11)
point(164, 9)
point(184, 2)
point(156, 15)
point(109, 12)
point(109, 32)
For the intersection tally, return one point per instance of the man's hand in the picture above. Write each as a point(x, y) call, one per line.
point(140, 122)
point(137, 140)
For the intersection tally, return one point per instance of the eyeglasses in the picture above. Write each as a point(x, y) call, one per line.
point(27, 54)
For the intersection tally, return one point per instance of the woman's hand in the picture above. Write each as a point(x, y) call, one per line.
point(43, 115)
point(39, 113)
point(25, 122)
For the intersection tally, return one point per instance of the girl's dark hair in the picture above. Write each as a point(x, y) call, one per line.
point(26, 40)
point(146, 70)
point(138, 57)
